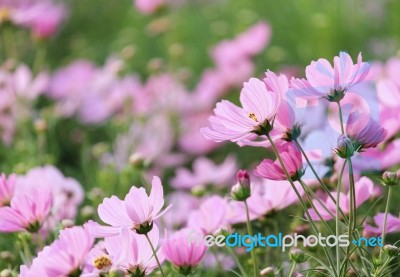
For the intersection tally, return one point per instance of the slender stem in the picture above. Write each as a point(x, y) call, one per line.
point(292, 269)
point(338, 190)
point(250, 230)
point(26, 250)
point(389, 196)
point(278, 156)
point(324, 187)
point(235, 257)
point(341, 118)
point(155, 254)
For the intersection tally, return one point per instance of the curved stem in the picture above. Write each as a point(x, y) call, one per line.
point(155, 254)
point(385, 217)
point(235, 257)
point(250, 231)
point(324, 187)
point(292, 269)
point(278, 156)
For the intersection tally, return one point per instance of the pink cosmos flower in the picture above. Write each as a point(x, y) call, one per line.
point(7, 187)
point(205, 172)
point(136, 212)
point(364, 131)
point(364, 189)
point(211, 215)
point(148, 6)
point(392, 225)
point(64, 257)
point(27, 211)
point(43, 18)
point(181, 252)
point(260, 101)
point(129, 252)
point(325, 81)
point(292, 160)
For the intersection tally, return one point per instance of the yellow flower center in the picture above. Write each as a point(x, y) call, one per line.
point(102, 262)
point(253, 116)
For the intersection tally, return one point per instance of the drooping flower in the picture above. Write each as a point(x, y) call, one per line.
point(325, 81)
point(64, 257)
point(137, 212)
point(260, 102)
point(27, 211)
point(364, 131)
point(7, 188)
point(183, 253)
point(292, 159)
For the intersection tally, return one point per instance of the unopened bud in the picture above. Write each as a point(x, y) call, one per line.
point(6, 273)
point(268, 272)
point(390, 178)
point(40, 125)
point(198, 191)
point(345, 147)
point(87, 212)
point(241, 191)
point(391, 250)
point(297, 255)
point(67, 223)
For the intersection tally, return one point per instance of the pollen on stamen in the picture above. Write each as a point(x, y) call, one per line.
point(102, 262)
point(253, 116)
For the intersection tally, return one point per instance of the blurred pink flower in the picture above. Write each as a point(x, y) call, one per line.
point(364, 189)
point(148, 6)
point(292, 159)
point(43, 18)
point(183, 253)
point(27, 211)
point(364, 130)
point(64, 257)
point(392, 225)
point(260, 101)
point(205, 173)
point(7, 188)
point(267, 196)
point(27, 87)
point(211, 215)
point(183, 204)
point(137, 211)
point(325, 81)
point(66, 192)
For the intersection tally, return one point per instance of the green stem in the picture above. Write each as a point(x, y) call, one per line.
point(338, 190)
point(235, 257)
point(341, 117)
point(324, 187)
point(292, 269)
point(389, 196)
point(278, 156)
point(155, 254)
point(250, 231)
point(26, 250)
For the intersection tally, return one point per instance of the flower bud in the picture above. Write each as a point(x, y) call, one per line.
point(243, 178)
point(241, 191)
point(268, 272)
point(6, 273)
point(67, 223)
point(391, 250)
point(40, 125)
point(390, 178)
point(297, 255)
point(345, 147)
